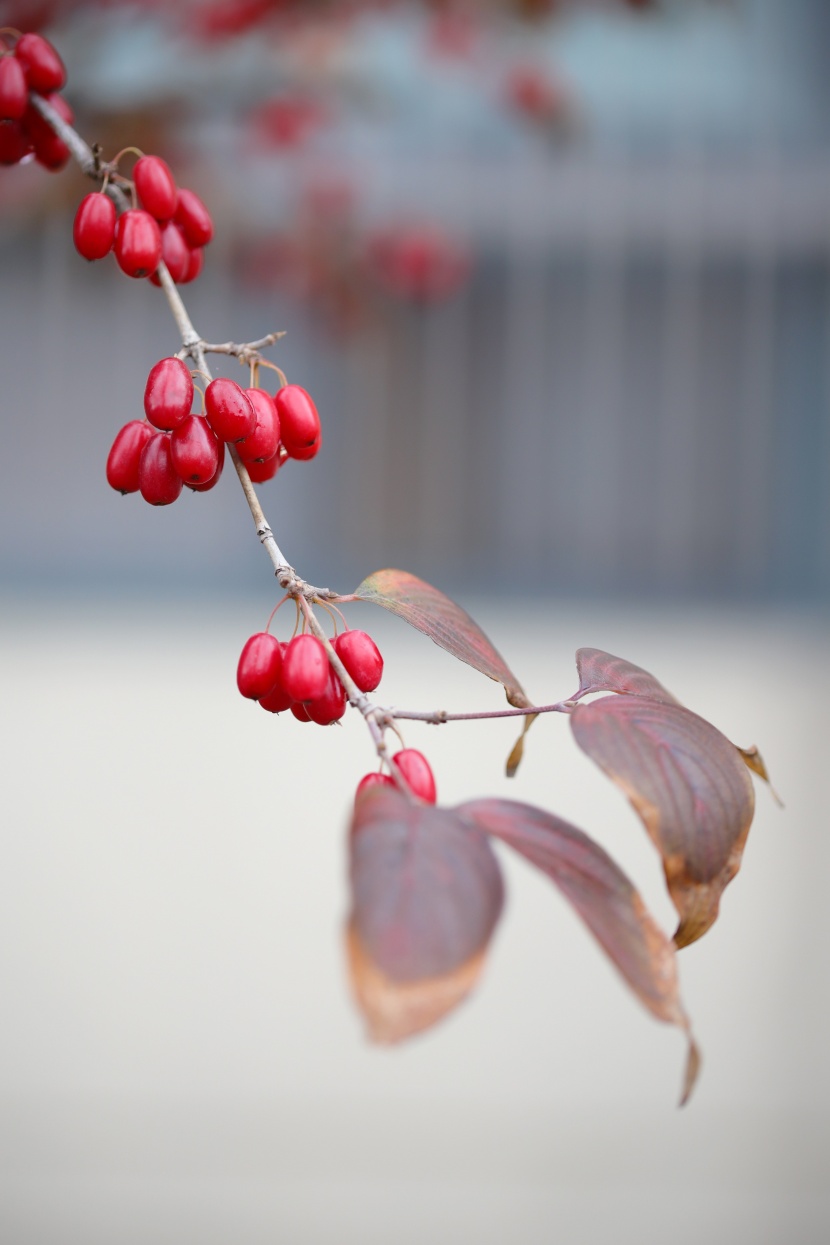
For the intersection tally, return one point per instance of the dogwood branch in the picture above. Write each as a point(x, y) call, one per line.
point(378, 719)
point(194, 346)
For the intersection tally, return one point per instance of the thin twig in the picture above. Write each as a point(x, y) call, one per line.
point(377, 720)
point(440, 716)
point(242, 349)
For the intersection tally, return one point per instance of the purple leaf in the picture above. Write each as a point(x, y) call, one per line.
point(451, 628)
point(601, 672)
point(689, 785)
point(604, 898)
point(427, 892)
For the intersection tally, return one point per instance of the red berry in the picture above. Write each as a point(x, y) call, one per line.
point(373, 780)
point(305, 670)
point(157, 478)
point(125, 455)
point(260, 665)
point(194, 218)
point(175, 253)
point(277, 700)
point(299, 421)
point(415, 769)
point(228, 408)
point(264, 441)
point(44, 68)
point(94, 228)
point(196, 450)
point(208, 484)
point(299, 711)
point(168, 394)
point(260, 472)
point(137, 243)
point(214, 479)
point(50, 151)
point(361, 657)
point(14, 142)
point(155, 186)
point(331, 706)
point(194, 266)
point(14, 90)
point(307, 452)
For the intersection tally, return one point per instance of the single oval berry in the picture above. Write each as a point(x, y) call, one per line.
point(14, 89)
point(307, 452)
point(137, 243)
point(94, 228)
point(361, 657)
point(264, 441)
point(157, 478)
point(156, 187)
point(260, 665)
point(299, 711)
point(45, 70)
point(50, 151)
point(168, 394)
point(331, 706)
point(214, 479)
point(416, 771)
point(305, 668)
point(299, 421)
point(14, 142)
point(125, 455)
point(174, 252)
point(196, 450)
point(228, 409)
point(277, 700)
point(194, 218)
point(194, 265)
point(260, 472)
point(373, 780)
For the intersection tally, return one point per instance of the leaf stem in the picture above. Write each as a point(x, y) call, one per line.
point(440, 716)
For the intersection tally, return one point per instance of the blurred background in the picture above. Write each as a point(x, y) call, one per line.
point(557, 274)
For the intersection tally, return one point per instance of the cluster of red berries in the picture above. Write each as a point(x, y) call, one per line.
point(32, 65)
point(172, 224)
point(299, 677)
point(174, 447)
point(415, 770)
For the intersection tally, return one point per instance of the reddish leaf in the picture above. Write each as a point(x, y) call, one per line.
point(604, 898)
point(689, 785)
point(426, 894)
point(600, 672)
point(451, 628)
